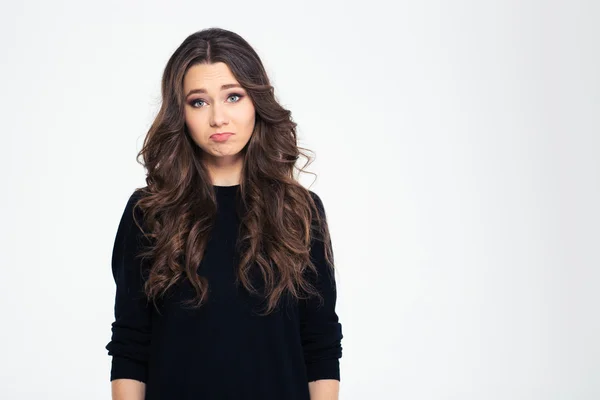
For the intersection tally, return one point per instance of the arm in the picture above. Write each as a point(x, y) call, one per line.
point(131, 330)
point(324, 389)
point(321, 331)
point(128, 389)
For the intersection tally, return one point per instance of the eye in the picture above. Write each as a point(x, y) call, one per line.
point(235, 95)
point(194, 102)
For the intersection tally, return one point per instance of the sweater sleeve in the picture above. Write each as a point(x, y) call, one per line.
point(320, 329)
point(131, 329)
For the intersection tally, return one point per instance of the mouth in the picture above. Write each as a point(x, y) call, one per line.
point(221, 136)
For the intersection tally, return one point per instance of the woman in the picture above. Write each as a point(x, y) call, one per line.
point(223, 262)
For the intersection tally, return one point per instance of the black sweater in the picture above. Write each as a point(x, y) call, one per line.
point(223, 350)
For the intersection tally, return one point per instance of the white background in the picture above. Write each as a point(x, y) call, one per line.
point(457, 157)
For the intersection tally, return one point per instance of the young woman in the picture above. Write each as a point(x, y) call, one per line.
point(223, 263)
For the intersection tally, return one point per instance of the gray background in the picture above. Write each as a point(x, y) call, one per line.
point(456, 149)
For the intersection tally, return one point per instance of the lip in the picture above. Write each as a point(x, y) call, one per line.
point(221, 137)
point(221, 134)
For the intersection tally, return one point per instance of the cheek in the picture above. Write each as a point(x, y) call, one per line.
point(246, 116)
point(195, 122)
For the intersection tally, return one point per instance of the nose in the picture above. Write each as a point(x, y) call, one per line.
point(218, 116)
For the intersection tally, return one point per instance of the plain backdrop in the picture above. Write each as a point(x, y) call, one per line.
point(456, 153)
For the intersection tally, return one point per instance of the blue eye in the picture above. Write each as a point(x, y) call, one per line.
point(236, 94)
point(194, 102)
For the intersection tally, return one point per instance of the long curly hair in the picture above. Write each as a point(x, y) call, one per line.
point(280, 219)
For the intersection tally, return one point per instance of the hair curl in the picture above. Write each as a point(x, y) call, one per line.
point(279, 219)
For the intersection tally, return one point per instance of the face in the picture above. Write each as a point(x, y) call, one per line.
point(216, 103)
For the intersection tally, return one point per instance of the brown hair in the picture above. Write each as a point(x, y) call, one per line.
point(281, 219)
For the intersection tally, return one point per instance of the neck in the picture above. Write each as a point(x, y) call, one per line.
point(226, 170)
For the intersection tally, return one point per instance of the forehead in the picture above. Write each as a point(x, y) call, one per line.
point(208, 76)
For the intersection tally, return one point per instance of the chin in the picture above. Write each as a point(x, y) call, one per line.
point(225, 153)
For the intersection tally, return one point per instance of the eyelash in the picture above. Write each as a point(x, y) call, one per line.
point(232, 94)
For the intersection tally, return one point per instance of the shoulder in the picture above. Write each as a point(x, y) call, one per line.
point(314, 196)
point(318, 202)
point(132, 216)
point(133, 199)
point(137, 194)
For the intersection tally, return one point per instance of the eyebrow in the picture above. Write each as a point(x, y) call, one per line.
point(202, 90)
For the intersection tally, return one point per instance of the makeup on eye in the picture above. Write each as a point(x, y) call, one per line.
point(192, 102)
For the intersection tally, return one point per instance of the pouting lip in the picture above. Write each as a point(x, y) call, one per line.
point(221, 133)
